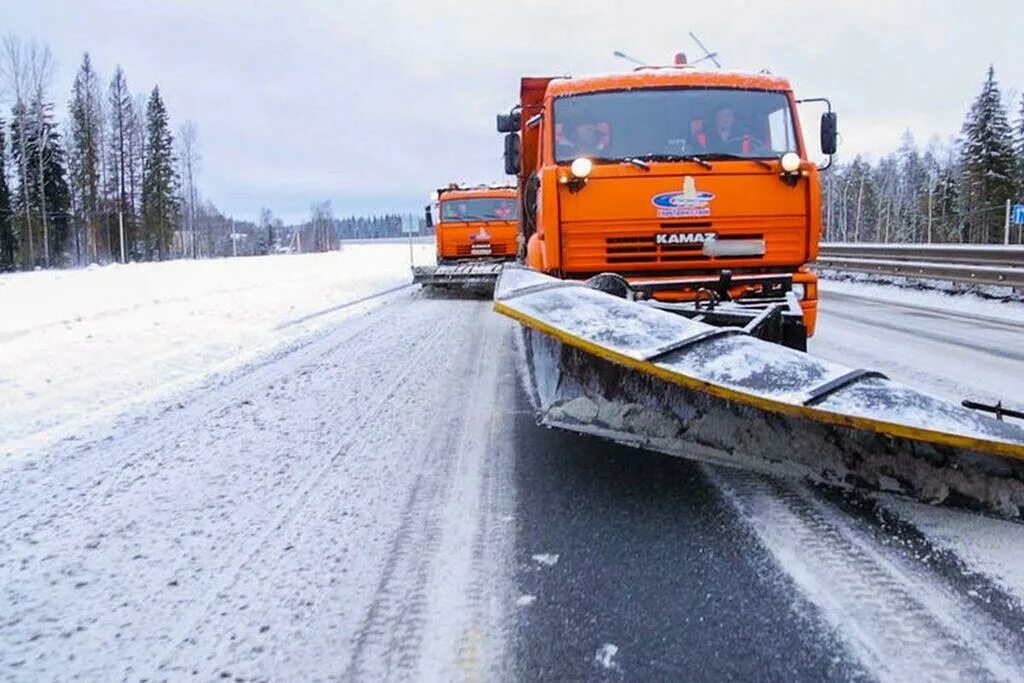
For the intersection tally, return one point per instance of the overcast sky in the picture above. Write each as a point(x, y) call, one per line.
point(373, 103)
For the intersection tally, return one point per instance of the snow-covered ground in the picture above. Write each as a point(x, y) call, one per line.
point(247, 468)
point(335, 508)
point(81, 347)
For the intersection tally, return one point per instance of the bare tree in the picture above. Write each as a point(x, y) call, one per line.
point(188, 159)
point(322, 224)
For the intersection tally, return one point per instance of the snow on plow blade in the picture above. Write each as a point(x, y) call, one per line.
point(631, 373)
point(469, 274)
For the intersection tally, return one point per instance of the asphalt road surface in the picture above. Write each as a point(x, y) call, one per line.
point(378, 503)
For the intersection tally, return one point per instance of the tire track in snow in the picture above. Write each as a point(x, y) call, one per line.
point(249, 548)
point(157, 540)
point(81, 467)
point(433, 581)
point(109, 421)
point(901, 623)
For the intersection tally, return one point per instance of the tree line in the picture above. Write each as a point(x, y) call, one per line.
point(954, 191)
point(323, 231)
point(112, 183)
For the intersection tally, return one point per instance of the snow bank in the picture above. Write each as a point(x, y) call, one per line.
point(952, 299)
point(80, 347)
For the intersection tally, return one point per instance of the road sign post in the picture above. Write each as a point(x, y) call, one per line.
point(1018, 214)
point(1017, 217)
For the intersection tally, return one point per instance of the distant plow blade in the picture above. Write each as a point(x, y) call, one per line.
point(469, 275)
point(631, 373)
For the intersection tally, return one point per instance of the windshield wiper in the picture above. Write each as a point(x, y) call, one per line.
point(641, 161)
point(738, 157)
point(677, 157)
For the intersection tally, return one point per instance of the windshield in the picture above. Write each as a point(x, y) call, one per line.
point(668, 122)
point(489, 209)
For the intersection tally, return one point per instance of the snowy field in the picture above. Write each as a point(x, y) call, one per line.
point(81, 347)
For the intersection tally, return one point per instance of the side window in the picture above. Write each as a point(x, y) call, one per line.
point(780, 129)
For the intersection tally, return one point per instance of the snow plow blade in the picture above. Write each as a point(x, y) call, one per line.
point(469, 275)
point(621, 370)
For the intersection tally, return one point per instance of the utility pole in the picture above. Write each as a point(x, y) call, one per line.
point(828, 206)
point(1006, 224)
point(409, 224)
point(120, 225)
point(42, 191)
point(929, 211)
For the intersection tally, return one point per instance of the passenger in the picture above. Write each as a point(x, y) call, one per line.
point(505, 210)
point(698, 140)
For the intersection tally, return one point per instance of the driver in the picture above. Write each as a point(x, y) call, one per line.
point(725, 134)
point(589, 139)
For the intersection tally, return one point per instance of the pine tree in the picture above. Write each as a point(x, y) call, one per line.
point(84, 158)
point(120, 182)
point(43, 203)
point(8, 240)
point(989, 169)
point(1018, 148)
point(159, 188)
point(913, 189)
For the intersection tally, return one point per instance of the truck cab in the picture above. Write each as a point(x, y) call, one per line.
point(476, 223)
point(685, 189)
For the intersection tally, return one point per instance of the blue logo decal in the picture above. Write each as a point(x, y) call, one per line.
point(689, 202)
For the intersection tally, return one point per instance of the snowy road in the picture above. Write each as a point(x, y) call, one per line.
point(690, 571)
point(372, 500)
point(329, 512)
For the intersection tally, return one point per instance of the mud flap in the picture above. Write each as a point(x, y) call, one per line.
point(644, 377)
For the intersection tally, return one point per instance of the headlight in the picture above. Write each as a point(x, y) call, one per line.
point(799, 290)
point(581, 167)
point(790, 162)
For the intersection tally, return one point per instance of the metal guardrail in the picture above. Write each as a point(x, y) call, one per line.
point(979, 264)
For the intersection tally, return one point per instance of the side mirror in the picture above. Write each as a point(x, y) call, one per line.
point(508, 123)
point(513, 151)
point(829, 132)
point(428, 216)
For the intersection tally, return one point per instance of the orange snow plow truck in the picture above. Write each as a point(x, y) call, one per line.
point(686, 190)
point(476, 231)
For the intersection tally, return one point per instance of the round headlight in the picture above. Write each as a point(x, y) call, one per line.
point(790, 162)
point(581, 167)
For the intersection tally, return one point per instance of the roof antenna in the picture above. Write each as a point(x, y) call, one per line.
point(707, 53)
point(623, 55)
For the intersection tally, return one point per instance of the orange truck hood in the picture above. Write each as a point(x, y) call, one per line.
point(629, 219)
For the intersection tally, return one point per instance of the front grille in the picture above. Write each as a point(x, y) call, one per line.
point(496, 250)
point(643, 249)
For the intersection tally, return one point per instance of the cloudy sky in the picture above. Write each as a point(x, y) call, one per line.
point(371, 103)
